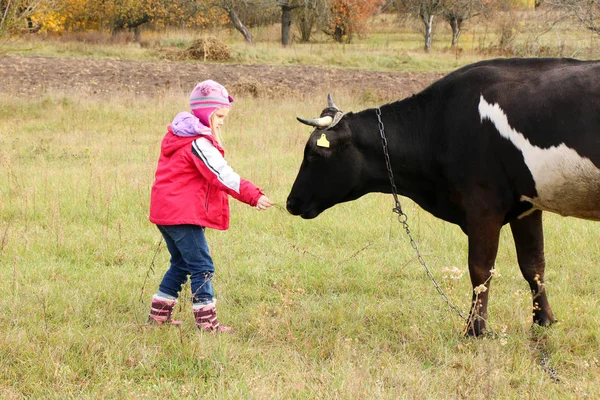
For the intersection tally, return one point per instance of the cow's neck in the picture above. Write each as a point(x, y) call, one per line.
point(409, 130)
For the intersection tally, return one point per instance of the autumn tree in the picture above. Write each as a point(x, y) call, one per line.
point(76, 15)
point(349, 17)
point(112, 15)
point(129, 14)
point(17, 15)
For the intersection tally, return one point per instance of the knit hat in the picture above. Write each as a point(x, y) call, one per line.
point(207, 97)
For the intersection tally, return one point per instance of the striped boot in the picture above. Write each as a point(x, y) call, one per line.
point(161, 310)
point(206, 318)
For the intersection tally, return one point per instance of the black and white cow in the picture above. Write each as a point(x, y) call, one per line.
point(493, 143)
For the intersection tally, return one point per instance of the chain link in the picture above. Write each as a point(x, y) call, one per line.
point(403, 218)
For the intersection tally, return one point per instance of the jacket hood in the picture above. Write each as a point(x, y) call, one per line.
point(184, 129)
point(185, 124)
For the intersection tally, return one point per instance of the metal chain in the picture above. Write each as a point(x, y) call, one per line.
point(403, 218)
point(547, 367)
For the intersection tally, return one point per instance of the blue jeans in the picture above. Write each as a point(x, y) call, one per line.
point(189, 256)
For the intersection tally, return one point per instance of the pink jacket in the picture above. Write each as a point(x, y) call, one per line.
point(193, 181)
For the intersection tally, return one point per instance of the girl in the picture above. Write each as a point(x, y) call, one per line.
point(190, 193)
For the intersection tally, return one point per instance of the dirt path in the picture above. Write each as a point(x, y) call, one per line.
point(28, 76)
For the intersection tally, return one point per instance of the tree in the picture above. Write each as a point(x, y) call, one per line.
point(349, 17)
point(287, 6)
point(16, 15)
point(587, 12)
point(257, 11)
point(455, 12)
point(129, 14)
point(425, 10)
point(237, 22)
point(232, 9)
point(114, 15)
point(314, 12)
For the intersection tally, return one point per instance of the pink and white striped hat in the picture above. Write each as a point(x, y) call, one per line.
point(207, 97)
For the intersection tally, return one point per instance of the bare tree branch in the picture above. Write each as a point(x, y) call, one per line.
point(456, 12)
point(587, 12)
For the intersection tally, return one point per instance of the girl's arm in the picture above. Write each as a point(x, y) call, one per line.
point(213, 166)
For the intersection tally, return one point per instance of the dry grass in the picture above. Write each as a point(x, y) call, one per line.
point(250, 86)
point(203, 49)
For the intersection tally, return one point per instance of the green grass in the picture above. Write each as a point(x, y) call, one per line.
point(336, 307)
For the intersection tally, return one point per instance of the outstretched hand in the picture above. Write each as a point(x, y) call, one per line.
point(263, 203)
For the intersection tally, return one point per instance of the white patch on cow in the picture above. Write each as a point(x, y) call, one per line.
point(566, 183)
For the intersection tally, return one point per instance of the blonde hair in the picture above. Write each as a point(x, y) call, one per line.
point(215, 131)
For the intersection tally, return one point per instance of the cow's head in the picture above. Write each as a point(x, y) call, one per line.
point(331, 169)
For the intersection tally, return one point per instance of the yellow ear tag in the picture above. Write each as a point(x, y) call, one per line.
point(323, 142)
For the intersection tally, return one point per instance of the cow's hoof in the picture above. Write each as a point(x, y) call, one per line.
point(545, 321)
point(543, 316)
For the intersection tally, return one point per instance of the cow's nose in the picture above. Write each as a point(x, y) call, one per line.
point(290, 205)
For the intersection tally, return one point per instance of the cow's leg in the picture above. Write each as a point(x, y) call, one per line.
point(484, 234)
point(529, 240)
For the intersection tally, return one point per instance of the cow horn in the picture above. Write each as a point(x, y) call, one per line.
point(317, 122)
point(330, 102)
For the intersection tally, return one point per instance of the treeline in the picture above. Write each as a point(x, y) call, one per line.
point(342, 20)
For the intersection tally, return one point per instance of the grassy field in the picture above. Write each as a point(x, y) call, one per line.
point(333, 308)
point(337, 307)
